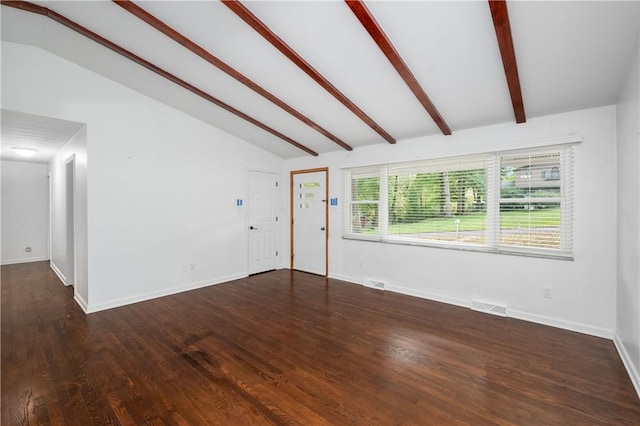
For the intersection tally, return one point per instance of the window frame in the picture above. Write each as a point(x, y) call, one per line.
point(493, 227)
point(347, 182)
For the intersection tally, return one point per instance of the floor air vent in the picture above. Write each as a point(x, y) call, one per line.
point(489, 308)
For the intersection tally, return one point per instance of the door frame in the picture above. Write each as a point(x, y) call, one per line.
point(326, 213)
point(50, 233)
point(70, 217)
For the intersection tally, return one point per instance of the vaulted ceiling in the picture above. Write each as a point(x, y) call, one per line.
point(305, 77)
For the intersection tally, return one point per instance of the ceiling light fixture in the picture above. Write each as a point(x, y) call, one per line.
point(24, 152)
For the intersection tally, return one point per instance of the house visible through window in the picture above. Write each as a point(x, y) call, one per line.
point(513, 202)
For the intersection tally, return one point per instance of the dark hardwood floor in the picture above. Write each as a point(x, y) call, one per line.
point(293, 348)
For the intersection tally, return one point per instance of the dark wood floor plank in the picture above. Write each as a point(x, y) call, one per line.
point(292, 348)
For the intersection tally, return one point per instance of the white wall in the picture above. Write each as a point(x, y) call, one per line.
point(61, 263)
point(628, 279)
point(583, 290)
point(25, 212)
point(161, 185)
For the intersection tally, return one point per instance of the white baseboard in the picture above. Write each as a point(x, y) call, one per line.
point(539, 319)
point(25, 260)
point(628, 363)
point(559, 323)
point(430, 296)
point(155, 294)
point(80, 301)
point(58, 273)
point(408, 291)
point(347, 279)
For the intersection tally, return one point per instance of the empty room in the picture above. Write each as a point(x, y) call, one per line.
point(320, 212)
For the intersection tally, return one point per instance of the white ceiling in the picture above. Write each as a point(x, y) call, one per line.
point(570, 55)
point(46, 135)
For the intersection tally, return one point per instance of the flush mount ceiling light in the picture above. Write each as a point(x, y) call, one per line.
point(24, 152)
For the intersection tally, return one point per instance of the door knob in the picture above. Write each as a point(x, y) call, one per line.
point(253, 228)
point(322, 229)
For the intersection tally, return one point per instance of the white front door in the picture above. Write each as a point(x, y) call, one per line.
point(262, 222)
point(309, 214)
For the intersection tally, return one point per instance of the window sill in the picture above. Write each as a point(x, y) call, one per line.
point(540, 253)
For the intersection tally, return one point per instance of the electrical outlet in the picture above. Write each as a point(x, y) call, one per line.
point(546, 292)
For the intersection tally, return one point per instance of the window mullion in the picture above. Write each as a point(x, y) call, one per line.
point(383, 206)
point(493, 197)
point(347, 226)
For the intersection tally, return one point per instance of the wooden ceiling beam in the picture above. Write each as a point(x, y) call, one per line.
point(30, 7)
point(502, 26)
point(261, 28)
point(184, 41)
point(377, 34)
point(26, 6)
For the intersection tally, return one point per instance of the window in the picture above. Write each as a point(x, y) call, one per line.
point(364, 200)
point(438, 200)
point(512, 202)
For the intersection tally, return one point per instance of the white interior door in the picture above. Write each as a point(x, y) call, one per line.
point(262, 222)
point(309, 206)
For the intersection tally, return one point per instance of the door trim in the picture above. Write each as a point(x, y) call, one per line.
point(326, 213)
point(70, 216)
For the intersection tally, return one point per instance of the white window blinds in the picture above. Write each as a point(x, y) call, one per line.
point(516, 201)
point(438, 200)
point(536, 200)
point(361, 216)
